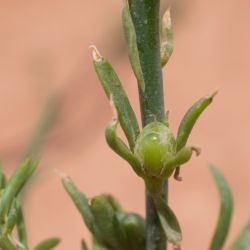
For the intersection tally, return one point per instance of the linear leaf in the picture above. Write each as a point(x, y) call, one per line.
point(226, 209)
point(15, 184)
point(116, 94)
point(48, 244)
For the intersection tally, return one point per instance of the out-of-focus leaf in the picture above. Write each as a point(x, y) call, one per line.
point(2, 177)
point(48, 244)
point(242, 242)
point(15, 184)
point(45, 123)
point(226, 209)
point(98, 246)
point(6, 244)
point(11, 218)
point(21, 227)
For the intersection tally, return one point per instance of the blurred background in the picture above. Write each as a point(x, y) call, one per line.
point(44, 52)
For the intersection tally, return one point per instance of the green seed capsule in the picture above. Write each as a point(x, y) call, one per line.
point(154, 146)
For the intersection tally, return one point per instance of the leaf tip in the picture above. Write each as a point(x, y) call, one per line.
point(95, 53)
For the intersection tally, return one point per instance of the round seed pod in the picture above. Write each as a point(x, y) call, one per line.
point(154, 146)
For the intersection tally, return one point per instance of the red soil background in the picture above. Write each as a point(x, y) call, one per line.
point(44, 49)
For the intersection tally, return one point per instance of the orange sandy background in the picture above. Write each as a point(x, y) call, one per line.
point(44, 49)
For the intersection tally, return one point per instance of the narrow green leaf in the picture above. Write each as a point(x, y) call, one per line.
point(116, 94)
point(168, 221)
point(48, 244)
point(45, 123)
point(15, 184)
point(188, 122)
point(242, 242)
point(21, 227)
point(226, 209)
point(190, 119)
point(120, 147)
point(167, 46)
point(81, 203)
point(6, 244)
point(130, 35)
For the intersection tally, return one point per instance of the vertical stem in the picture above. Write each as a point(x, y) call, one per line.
point(145, 15)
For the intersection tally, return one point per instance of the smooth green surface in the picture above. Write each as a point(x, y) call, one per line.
point(145, 16)
point(226, 209)
point(116, 94)
point(242, 242)
point(154, 146)
point(48, 244)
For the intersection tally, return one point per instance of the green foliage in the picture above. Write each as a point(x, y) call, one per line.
point(130, 35)
point(117, 96)
point(154, 153)
point(11, 214)
point(48, 244)
point(111, 227)
point(14, 186)
point(226, 209)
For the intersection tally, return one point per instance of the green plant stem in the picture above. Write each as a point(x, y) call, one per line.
point(145, 15)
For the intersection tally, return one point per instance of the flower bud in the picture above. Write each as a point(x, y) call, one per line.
point(154, 146)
